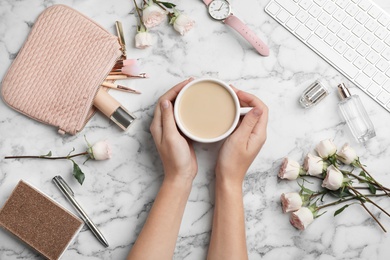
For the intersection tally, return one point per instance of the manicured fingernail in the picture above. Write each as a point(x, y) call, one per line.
point(164, 104)
point(190, 79)
point(256, 112)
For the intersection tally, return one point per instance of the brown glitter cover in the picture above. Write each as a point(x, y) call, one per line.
point(39, 221)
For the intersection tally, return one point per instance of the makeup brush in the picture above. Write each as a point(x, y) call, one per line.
point(127, 62)
point(120, 87)
point(121, 76)
point(128, 70)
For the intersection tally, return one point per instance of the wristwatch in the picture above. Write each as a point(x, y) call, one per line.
point(220, 10)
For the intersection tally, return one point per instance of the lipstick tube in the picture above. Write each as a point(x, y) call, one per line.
point(110, 107)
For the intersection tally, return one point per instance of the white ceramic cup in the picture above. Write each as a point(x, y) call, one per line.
point(238, 111)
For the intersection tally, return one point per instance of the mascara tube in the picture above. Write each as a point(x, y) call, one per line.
point(110, 107)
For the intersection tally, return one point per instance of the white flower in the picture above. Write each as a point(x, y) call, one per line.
point(289, 170)
point(334, 178)
point(291, 201)
point(301, 218)
point(143, 40)
point(347, 154)
point(313, 165)
point(100, 151)
point(153, 15)
point(182, 23)
point(326, 148)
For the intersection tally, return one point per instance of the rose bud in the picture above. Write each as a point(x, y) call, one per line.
point(313, 165)
point(347, 154)
point(100, 151)
point(334, 178)
point(289, 170)
point(326, 148)
point(301, 218)
point(153, 15)
point(291, 201)
point(182, 23)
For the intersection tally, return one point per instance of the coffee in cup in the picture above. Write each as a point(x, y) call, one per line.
point(207, 110)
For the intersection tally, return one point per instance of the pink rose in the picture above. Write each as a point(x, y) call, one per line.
point(301, 218)
point(334, 178)
point(347, 154)
point(289, 170)
point(153, 15)
point(291, 201)
point(182, 24)
point(100, 151)
point(143, 40)
point(313, 165)
point(326, 148)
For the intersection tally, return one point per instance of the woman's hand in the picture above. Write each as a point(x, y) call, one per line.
point(177, 153)
point(242, 147)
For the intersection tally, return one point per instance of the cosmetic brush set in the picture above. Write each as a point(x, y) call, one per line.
point(62, 35)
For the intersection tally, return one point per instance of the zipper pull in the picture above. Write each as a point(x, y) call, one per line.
point(121, 38)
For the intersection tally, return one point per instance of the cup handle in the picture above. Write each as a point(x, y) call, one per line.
point(245, 110)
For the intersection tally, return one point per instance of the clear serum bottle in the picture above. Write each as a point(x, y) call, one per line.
point(355, 115)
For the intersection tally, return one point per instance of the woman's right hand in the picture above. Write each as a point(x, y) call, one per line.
point(242, 147)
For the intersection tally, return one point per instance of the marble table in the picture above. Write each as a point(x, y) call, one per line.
point(119, 193)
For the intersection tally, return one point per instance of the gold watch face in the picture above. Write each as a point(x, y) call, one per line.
point(219, 9)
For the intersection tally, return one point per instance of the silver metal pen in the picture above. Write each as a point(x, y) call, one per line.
point(69, 195)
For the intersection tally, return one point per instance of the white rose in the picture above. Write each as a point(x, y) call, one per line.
point(183, 24)
point(289, 170)
point(153, 15)
point(326, 148)
point(301, 218)
point(143, 40)
point(334, 178)
point(100, 151)
point(313, 165)
point(347, 154)
point(291, 201)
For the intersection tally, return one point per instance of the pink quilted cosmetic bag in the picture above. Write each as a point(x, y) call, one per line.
point(59, 69)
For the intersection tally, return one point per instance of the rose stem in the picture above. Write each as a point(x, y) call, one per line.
point(369, 200)
point(364, 180)
point(139, 14)
point(45, 157)
point(380, 185)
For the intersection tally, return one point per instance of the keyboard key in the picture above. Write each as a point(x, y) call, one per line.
point(374, 89)
point(339, 15)
point(311, 24)
point(320, 2)
point(352, 10)
point(331, 39)
point(283, 16)
point(361, 17)
point(374, 12)
point(330, 7)
point(383, 97)
point(353, 41)
point(381, 33)
point(360, 63)
point(305, 4)
point(364, 5)
point(386, 54)
point(386, 86)
point(345, 66)
point(340, 47)
point(273, 8)
point(372, 57)
point(384, 20)
point(292, 23)
point(378, 46)
point(324, 18)
point(363, 49)
point(371, 25)
point(314, 11)
point(302, 16)
point(321, 31)
point(343, 34)
point(382, 65)
point(368, 38)
point(387, 40)
point(363, 81)
point(349, 22)
point(289, 5)
point(342, 3)
point(358, 30)
point(334, 26)
point(379, 78)
point(350, 55)
point(369, 70)
point(303, 32)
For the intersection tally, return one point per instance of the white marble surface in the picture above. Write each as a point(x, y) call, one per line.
point(118, 193)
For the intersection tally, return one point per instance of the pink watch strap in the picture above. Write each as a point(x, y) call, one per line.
point(207, 2)
point(247, 33)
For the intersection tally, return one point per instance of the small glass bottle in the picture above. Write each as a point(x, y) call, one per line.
point(355, 115)
point(313, 94)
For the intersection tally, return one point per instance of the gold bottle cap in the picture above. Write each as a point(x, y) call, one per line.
point(343, 91)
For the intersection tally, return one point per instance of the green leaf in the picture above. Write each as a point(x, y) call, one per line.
point(166, 4)
point(78, 173)
point(340, 210)
point(47, 155)
point(362, 174)
point(372, 188)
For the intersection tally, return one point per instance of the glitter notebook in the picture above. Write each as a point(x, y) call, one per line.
point(39, 221)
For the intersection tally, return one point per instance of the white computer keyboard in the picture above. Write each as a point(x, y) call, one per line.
point(352, 35)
